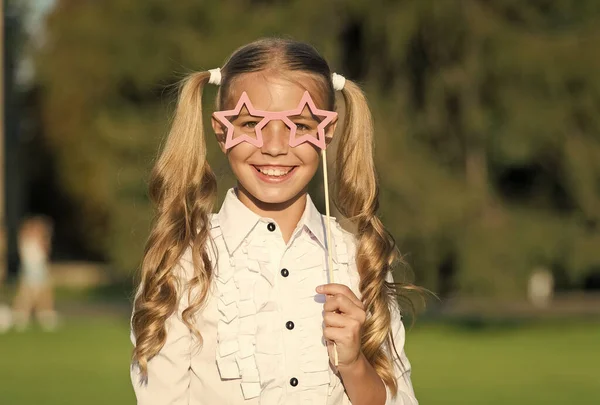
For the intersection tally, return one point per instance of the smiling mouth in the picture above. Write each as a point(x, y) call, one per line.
point(272, 171)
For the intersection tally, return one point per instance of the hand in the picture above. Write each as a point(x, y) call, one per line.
point(343, 316)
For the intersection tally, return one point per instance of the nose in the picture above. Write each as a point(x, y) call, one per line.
point(275, 138)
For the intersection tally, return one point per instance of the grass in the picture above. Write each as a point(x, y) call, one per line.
point(554, 362)
point(541, 363)
point(85, 362)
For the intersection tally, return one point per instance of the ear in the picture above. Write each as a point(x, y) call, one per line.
point(330, 130)
point(219, 130)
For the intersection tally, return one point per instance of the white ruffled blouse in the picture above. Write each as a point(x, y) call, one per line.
point(262, 322)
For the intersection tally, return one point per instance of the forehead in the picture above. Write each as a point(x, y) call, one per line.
point(272, 92)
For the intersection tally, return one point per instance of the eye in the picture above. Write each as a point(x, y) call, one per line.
point(302, 127)
point(250, 124)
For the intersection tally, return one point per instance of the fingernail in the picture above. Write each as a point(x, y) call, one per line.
point(320, 289)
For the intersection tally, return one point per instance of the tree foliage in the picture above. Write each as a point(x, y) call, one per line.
point(488, 139)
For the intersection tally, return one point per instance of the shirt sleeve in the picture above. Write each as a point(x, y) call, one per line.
point(402, 367)
point(169, 371)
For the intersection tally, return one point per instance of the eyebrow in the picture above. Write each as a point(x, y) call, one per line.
point(246, 114)
point(306, 115)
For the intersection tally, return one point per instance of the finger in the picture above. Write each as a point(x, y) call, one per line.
point(337, 335)
point(332, 319)
point(333, 289)
point(341, 303)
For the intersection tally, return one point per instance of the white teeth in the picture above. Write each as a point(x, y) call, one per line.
point(274, 172)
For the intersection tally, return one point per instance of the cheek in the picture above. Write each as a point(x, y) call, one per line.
point(309, 155)
point(240, 153)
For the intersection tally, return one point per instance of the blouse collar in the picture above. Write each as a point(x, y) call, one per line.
point(237, 221)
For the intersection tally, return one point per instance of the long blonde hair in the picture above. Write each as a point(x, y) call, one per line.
point(183, 187)
point(357, 198)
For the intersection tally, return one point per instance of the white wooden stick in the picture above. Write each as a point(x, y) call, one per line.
point(328, 236)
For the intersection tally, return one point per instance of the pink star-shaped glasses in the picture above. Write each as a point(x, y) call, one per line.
point(268, 116)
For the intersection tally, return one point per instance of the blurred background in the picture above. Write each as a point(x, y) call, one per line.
point(487, 117)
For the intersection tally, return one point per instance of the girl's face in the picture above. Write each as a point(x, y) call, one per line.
point(275, 173)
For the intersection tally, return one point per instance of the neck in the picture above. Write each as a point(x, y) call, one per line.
point(286, 214)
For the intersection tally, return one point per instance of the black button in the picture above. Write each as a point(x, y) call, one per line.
point(294, 382)
point(271, 226)
point(285, 272)
point(289, 325)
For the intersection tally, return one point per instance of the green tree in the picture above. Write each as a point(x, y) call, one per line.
point(107, 71)
point(487, 137)
point(498, 159)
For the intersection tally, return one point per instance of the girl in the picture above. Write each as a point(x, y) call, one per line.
point(35, 292)
point(235, 308)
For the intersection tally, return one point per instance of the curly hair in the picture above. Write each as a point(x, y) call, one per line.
point(183, 188)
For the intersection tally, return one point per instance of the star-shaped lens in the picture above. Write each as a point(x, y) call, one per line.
point(309, 133)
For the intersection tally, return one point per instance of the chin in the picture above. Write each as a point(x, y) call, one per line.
point(272, 194)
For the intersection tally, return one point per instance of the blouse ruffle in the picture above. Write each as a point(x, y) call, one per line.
point(249, 341)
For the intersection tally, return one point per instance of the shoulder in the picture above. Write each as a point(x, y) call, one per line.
point(184, 270)
point(185, 266)
point(345, 243)
point(342, 235)
point(213, 220)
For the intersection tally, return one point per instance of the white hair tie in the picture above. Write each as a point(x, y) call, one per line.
point(339, 81)
point(215, 76)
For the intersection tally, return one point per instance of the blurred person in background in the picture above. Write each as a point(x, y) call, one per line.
point(35, 293)
point(540, 287)
point(230, 306)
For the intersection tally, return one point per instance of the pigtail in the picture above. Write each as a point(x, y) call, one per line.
point(356, 197)
point(183, 189)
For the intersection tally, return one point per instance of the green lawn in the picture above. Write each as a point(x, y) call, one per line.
point(84, 363)
point(548, 363)
point(558, 362)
